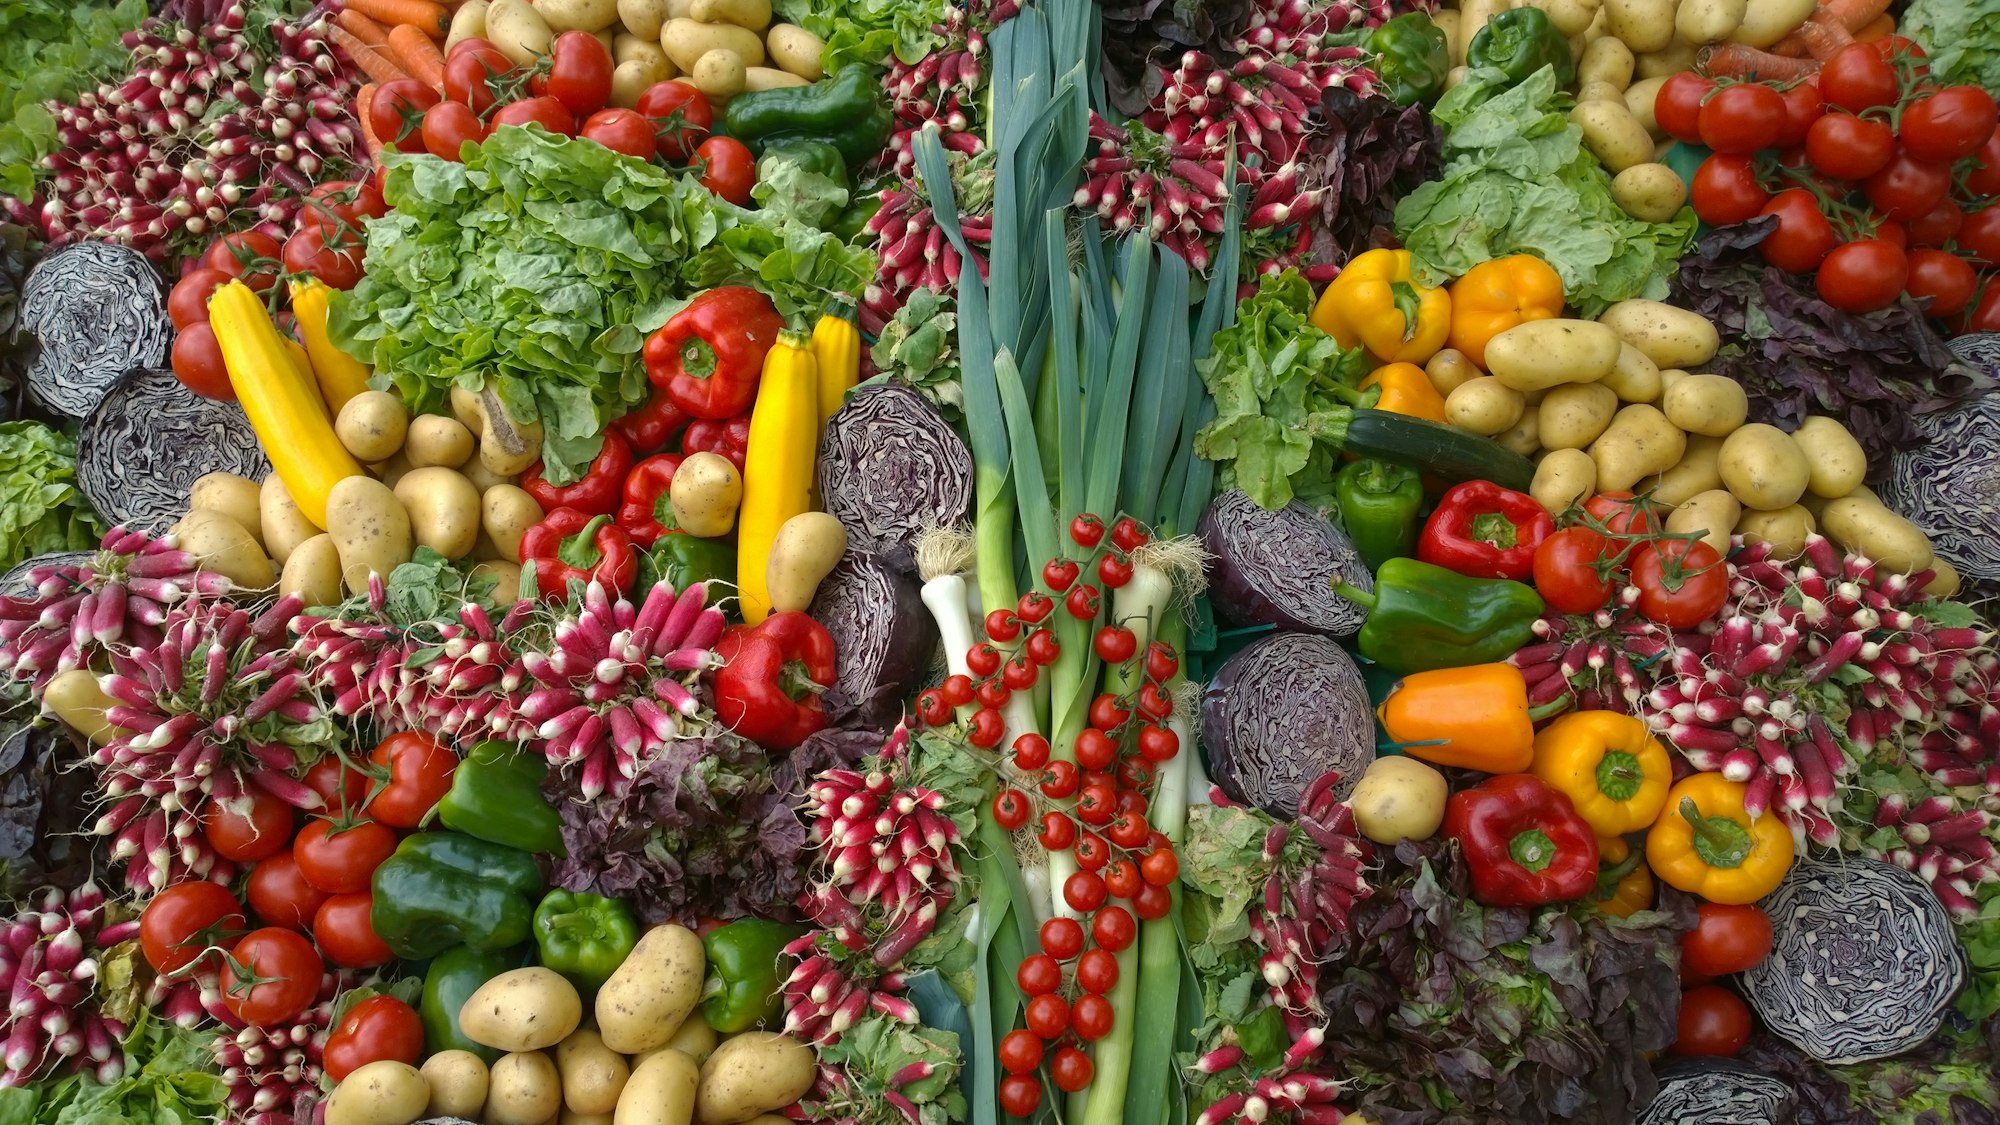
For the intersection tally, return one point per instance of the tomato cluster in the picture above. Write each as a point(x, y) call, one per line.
point(326, 243)
point(1727, 939)
point(567, 93)
point(308, 885)
point(1881, 181)
point(1676, 581)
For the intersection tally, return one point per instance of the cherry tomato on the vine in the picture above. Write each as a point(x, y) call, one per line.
point(1020, 1052)
point(1945, 278)
point(1084, 891)
point(279, 893)
point(448, 127)
point(1129, 534)
point(1048, 1016)
point(1062, 938)
point(1939, 226)
point(1043, 648)
point(1742, 118)
point(987, 729)
point(993, 693)
point(187, 301)
point(1082, 602)
point(1058, 831)
point(681, 117)
point(1060, 779)
point(727, 168)
point(1039, 975)
point(1979, 235)
point(249, 827)
point(1566, 574)
point(1725, 940)
point(579, 75)
point(1031, 752)
point(1158, 743)
point(1983, 179)
point(1950, 125)
point(545, 111)
point(1094, 749)
point(1112, 928)
point(396, 113)
point(1803, 237)
point(339, 859)
point(1011, 808)
point(1086, 530)
point(472, 74)
point(335, 257)
point(1863, 276)
point(933, 708)
point(1847, 147)
point(1153, 901)
point(1021, 1094)
point(1726, 190)
point(1714, 1021)
point(1092, 1017)
point(1857, 77)
point(344, 930)
point(1161, 868)
point(1115, 644)
point(1907, 188)
point(1071, 1070)
point(1097, 971)
point(1681, 583)
point(1803, 106)
point(1121, 878)
point(1677, 106)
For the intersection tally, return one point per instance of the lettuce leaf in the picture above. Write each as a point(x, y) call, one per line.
point(867, 32)
point(1961, 38)
point(40, 508)
point(1517, 179)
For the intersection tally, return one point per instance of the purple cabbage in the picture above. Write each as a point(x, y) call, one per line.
point(1278, 567)
point(889, 467)
point(883, 639)
point(1280, 713)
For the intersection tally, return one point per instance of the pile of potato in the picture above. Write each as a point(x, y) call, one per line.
point(650, 1060)
point(1611, 406)
point(722, 47)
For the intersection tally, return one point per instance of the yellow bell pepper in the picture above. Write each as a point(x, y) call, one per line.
point(1406, 389)
point(1705, 843)
point(1374, 304)
point(1497, 295)
point(1624, 886)
point(836, 345)
point(1610, 767)
point(777, 464)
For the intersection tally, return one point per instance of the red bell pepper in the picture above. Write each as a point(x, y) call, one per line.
point(768, 688)
point(728, 437)
point(710, 356)
point(647, 513)
point(1482, 530)
point(569, 544)
point(597, 493)
point(652, 427)
point(1524, 842)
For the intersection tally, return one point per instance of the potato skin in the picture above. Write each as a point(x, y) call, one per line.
point(518, 30)
point(1643, 25)
point(1634, 378)
point(1638, 443)
point(1670, 337)
point(1763, 467)
point(284, 525)
point(385, 1092)
point(1714, 512)
point(457, 1082)
point(1574, 414)
point(443, 508)
point(1399, 798)
point(523, 1088)
point(796, 50)
point(751, 1073)
point(686, 41)
point(1612, 134)
point(662, 1091)
point(805, 549)
point(1449, 370)
point(370, 529)
point(1484, 405)
point(1785, 529)
point(1543, 353)
point(372, 425)
point(1565, 477)
point(1836, 463)
point(1864, 526)
point(436, 439)
point(506, 513)
point(1711, 405)
point(592, 1074)
point(522, 1010)
point(705, 494)
point(222, 546)
point(1693, 474)
point(659, 983)
point(239, 498)
point(1647, 191)
point(313, 572)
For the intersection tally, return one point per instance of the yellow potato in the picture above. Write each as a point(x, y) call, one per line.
point(1765, 22)
point(718, 74)
point(506, 580)
point(753, 14)
point(695, 1039)
point(518, 29)
point(391, 471)
point(522, 1010)
point(628, 47)
point(523, 1089)
point(370, 529)
point(757, 78)
point(652, 991)
point(1763, 467)
point(1399, 798)
point(643, 18)
point(220, 545)
point(1563, 479)
point(1612, 134)
point(1638, 443)
point(628, 81)
point(1570, 17)
point(1449, 370)
point(482, 478)
point(661, 1091)
point(468, 22)
point(751, 1073)
point(507, 514)
point(1670, 337)
point(1714, 513)
point(1542, 353)
point(592, 1074)
point(1524, 437)
point(313, 572)
point(805, 550)
point(1484, 406)
point(1574, 414)
point(1712, 405)
point(1865, 527)
point(686, 41)
point(284, 525)
point(705, 494)
point(79, 701)
point(1944, 582)
point(1644, 25)
point(1639, 98)
point(457, 1082)
point(578, 15)
point(443, 507)
point(385, 1092)
point(1785, 529)
point(796, 51)
point(1634, 378)
point(1605, 60)
point(372, 425)
point(1708, 21)
point(1835, 461)
point(236, 497)
point(1599, 92)
point(1650, 192)
point(1696, 472)
point(1676, 58)
point(437, 439)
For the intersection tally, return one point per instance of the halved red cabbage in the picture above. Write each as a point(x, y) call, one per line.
point(1278, 567)
point(150, 438)
point(1719, 1090)
point(883, 638)
point(97, 311)
point(1281, 712)
point(890, 466)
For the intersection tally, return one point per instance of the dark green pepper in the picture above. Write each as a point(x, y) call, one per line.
point(1520, 41)
point(850, 111)
point(584, 936)
point(452, 978)
point(744, 977)
point(1411, 58)
point(496, 795)
point(1378, 508)
point(442, 889)
point(684, 560)
point(817, 157)
point(1422, 617)
point(853, 219)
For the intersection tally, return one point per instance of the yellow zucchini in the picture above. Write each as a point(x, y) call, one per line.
point(289, 417)
point(836, 345)
point(777, 464)
point(340, 376)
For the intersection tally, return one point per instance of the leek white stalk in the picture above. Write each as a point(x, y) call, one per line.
point(945, 595)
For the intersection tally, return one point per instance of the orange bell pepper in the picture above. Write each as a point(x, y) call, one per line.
point(1474, 717)
point(1374, 304)
point(1406, 389)
point(1624, 885)
point(1497, 295)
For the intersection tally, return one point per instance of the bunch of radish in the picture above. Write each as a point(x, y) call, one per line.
point(49, 957)
point(829, 991)
point(943, 88)
point(205, 136)
point(272, 1072)
point(910, 246)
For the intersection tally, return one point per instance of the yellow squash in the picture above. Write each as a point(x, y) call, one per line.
point(287, 414)
point(836, 345)
point(777, 464)
point(340, 376)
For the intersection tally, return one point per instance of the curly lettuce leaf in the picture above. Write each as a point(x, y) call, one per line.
point(1960, 37)
point(40, 508)
point(867, 32)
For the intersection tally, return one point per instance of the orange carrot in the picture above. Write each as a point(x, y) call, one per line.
point(1824, 33)
point(1734, 60)
point(368, 137)
point(372, 62)
point(417, 53)
point(1882, 27)
point(362, 28)
point(1853, 14)
point(426, 15)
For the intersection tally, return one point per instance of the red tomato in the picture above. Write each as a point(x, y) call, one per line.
point(1742, 118)
point(345, 934)
point(1566, 570)
point(250, 255)
point(1681, 583)
point(254, 826)
point(1713, 1021)
point(1039, 975)
point(1894, 48)
point(1891, 231)
point(447, 128)
point(579, 73)
point(1048, 1015)
point(547, 112)
point(1020, 1052)
point(1847, 147)
point(1985, 316)
point(1984, 177)
point(1945, 278)
point(470, 73)
point(1939, 226)
point(1726, 939)
point(187, 301)
point(342, 784)
point(1857, 77)
point(1949, 125)
point(1020, 1094)
point(197, 363)
point(373, 1030)
point(1062, 938)
point(1621, 513)
point(1979, 235)
point(1677, 107)
point(681, 117)
point(1097, 971)
point(621, 130)
point(1802, 237)
point(271, 977)
point(728, 170)
point(1863, 276)
point(1092, 1017)
point(1726, 190)
point(1803, 106)
point(420, 769)
point(1071, 1070)
point(340, 860)
point(1907, 188)
point(280, 895)
point(1113, 927)
point(335, 207)
point(396, 112)
point(184, 921)
point(337, 263)
point(368, 195)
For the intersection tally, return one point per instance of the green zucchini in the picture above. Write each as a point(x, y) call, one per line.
point(1436, 449)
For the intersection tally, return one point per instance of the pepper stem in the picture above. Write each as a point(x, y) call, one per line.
point(1532, 849)
point(698, 358)
point(580, 550)
point(1719, 841)
point(1610, 877)
point(1355, 594)
point(1619, 775)
point(797, 683)
point(1496, 529)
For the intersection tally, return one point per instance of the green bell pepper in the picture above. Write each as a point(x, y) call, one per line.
point(496, 796)
point(442, 889)
point(852, 222)
point(850, 111)
point(744, 980)
point(584, 936)
point(452, 978)
point(1422, 617)
point(1411, 58)
point(684, 560)
point(1519, 42)
point(1378, 505)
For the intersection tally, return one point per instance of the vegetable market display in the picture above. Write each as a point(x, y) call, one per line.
point(659, 562)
